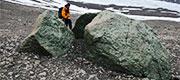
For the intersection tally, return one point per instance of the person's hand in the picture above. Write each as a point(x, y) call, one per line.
point(69, 18)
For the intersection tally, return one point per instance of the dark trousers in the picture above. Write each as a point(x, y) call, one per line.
point(68, 23)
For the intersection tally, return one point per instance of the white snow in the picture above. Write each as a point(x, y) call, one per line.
point(136, 17)
point(137, 3)
point(83, 10)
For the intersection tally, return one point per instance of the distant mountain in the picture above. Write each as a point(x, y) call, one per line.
point(173, 1)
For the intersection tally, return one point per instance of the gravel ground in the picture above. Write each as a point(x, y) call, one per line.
point(16, 23)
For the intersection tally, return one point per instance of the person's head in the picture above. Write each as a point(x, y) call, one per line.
point(67, 5)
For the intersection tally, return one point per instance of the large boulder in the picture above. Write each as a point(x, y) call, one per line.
point(80, 24)
point(126, 45)
point(50, 35)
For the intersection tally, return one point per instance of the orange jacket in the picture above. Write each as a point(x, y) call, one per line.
point(65, 13)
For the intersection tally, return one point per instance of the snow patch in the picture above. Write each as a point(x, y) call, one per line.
point(138, 3)
point(55, 4)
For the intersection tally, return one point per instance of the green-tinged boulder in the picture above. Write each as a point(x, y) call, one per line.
point(50, 35)
point(80, 24)
point(126, 45)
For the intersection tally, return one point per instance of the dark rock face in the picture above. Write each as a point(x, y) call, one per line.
point(50, 35)
point(126, 45)
point(80, 24)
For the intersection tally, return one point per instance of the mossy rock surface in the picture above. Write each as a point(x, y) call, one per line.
point(50, 35)
point(126, 45)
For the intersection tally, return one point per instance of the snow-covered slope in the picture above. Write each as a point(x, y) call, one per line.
point(140, 3)
point(154, 4)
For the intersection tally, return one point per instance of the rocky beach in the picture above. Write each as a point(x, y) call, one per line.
point(16, 23)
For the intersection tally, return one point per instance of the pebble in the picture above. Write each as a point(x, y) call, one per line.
point(82, 71)
point(86, 62)
point(93, 77)
point(10, 73)
point(31, 72)
point(130, 76)
point(45, 69)
point(17, 44)
point(63, 74)
point(1, 50)
point(25, 57)
point(43, 74)
point(11, 45)
point(16, 75)
point(30, 66)
point(2, 63)
point(145, 79)
point(36, 57)
point(19, 62)
point(19, 20)
point(176, 72)
point(10, 59)
point(54, 74)
point(32, 77)
point(36, 62)
point(67, 70)
point(43, 78)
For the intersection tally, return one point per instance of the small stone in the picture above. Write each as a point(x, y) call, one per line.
point(63, 74)
point(10, 59)
point(70, 78)
point(10, 73)
point(66, 70)
point(36, 57)
point(145, 79)
point(82, 71)
point(30, 66)
point(43, 74)
point(43, 78)
point(19, 20)
point(45, 69)
point(26, 62)
point(72, 46)
point(16, 75)
point(2, 63)
point(32, 77)
point(25, 57)
point(12, 45)
point(1, 50)
point(86, 62)
point(17, 44)
point(54, 74)
point(36, 62)
point(62, 78)
point(19, 62)
point(41, 66)
point(31, 72)
point(176, 72)
point(93, 77)
point(130, 76)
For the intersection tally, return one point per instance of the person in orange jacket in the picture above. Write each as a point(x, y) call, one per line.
point(66, 16)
